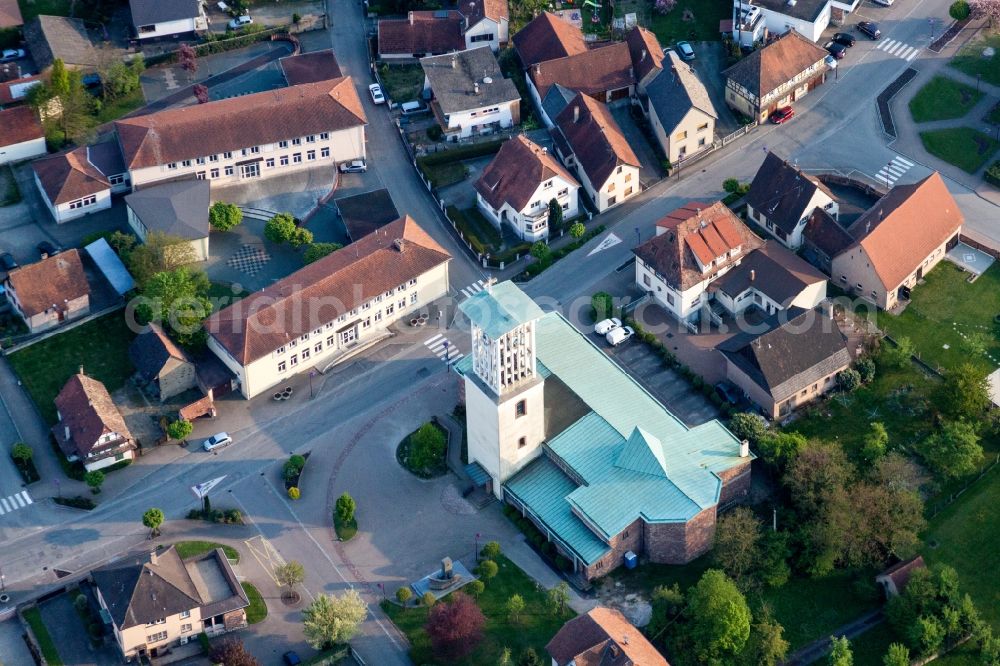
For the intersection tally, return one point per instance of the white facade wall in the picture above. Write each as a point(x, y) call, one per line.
point(168, 28)
point(71, 210)
point(175, 626)
point(779, 24)
point(467, 123)
point(274, 159)
point(794, 240)
point(108, 461)
point(693, 134)
point(22, 151)
point(531, 223)
point(477, 34)
point(198, 245)
point(622, 184)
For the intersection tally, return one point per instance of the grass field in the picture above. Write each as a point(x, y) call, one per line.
point(119, 107)
point(41, 632)
point(257, 610)
point(403, 83)
point(536, 627)
point(966, 148)
point(943, 98)
point(99, 346)
point(945, 306)
point(193, 548)
point(971, 61)
point(690, 20)
point(32, 8)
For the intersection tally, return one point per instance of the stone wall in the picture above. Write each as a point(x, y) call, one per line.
point(679, 543)
point(631, 538)
point(735, 483)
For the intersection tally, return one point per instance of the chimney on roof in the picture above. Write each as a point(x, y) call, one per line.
point(411, 17)
point(538, 68)
point(753, 274)
point(81, 370)
point(153, 558)
point(868, 226)
point(576, 113)
point(881, 214)
point(625, 639)
point(643, 55)
point(398, 244)
point(745, 449)
point(475, 88)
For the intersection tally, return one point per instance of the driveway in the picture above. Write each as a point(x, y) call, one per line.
point(12, 646)
point(650, 170)
point(70, 635)
point(709, 65)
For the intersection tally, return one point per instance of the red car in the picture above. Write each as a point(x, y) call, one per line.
point(783, 114)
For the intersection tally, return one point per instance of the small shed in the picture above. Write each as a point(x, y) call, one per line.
point(894, 579)
point(111, 266)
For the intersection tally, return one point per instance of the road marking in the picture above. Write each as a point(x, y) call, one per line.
point(893, 171)
point(474, 288)
point(913, 55)
point(27, 497)
point(20, 502)
point(266, 555)
point(440, 346)
point(907, 162)
point(609, 241)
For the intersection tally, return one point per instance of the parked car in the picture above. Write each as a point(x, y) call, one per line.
point(291, 658)
point(884, 3)
point(354, 166)
point(376, 92)
point(602, 327)
point(784, 114)
point(7, 261)
point(836, 49)
point(616, 336)
point(413, 108)
point(240, 21)
point(870, 29)
point(845, 38)
point(830, 61)
point(685, 51)
point(728, 392)
point(217, 441)
point(47, 249)
point(11, 54)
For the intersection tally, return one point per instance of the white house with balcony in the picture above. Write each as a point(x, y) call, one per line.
point(782, 199)
point(170, 18)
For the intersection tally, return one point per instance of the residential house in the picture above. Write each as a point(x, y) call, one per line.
point(605, 74)
point(563, 434)
point(898, 241)
point(154, 18)
point(517, 186)
point(160, 364)
point(48, 292)
point(487, 22)
point(747, 27)
point(792, 363)
point(680, 110)
point(647, 56)
point(80, 181)
point(90, 428)
point(823, 239)
point(305, 126)
point(420, 34)
point(470, 94)
point(21, 135)
point(158, 601)
point(775, 76)
point(602, 636)
point(60, 37)
point(319, 312)
point(178, 209)
point(311, 67)
point(15, 91)
point(782, 199)
point(589, 140)
point(10, 14)
point(809, 18)
point(547, 37)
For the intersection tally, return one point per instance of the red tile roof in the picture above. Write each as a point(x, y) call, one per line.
point(905, 226)
point(10, 14)
point(49, 282)
point(901, 572)
point(646, 52)
point(595, 138)
point(319, 293)
point(516, 172)
point(475, 10)
point(68, 176)
point(86, 408)
point(603, 636)
point(548, 37)
point(19, 125)
point(779, 62)
point(591, 72)
point(422, 32)
point(15, 90)
point(231, 124)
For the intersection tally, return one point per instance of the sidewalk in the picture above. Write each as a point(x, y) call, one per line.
point(820, 648)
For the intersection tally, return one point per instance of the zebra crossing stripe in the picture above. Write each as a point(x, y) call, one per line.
point(433, 340)
point(895, 170)
point(913, 55)
point(27, 497)
point(904, 161)
point(2, 511)
point(455, 359)
point(884, 46)
point(905, 53)
point(473, 289)
point(17, 498)
point(898, 48)
point(6, 507)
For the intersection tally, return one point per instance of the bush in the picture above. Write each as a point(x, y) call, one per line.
point(346, 507)
point(428, 599)
point(748, 426)
point(224, 216)
point(491, 550)
point(866, 369)
point(435, 133)
point(487, 569)
point(602, 306)
point(317, 251)
point(427, 446)
point(76, 502)
point(959, 10)
point(280, 228)
point(731, 185)
point(21, 453)
point(179, 429)
point(403, 595)
point(849, 379)
point(293, 493)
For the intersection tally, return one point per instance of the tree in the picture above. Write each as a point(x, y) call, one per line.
point(59, 77)
point(953, 450)
point(748, 426)
point(330, 620)
point(152, 519)
point(76, 110)
point(160, 252)
point(848, 379)
point(964, 393)
point(718, 618)
point(317, 251)
point(866, 369)
point(602, 306)
point(577, 230)
point(476, 587)
point(179, 429)
point(530, 658)
point(428, 599)
point(21, 453)
point(427, 446)
point(897, 356)
point(300, 237)
point(455, 628)
point(515, 606)
point(541, 251)
point(736, 543)
point(490, 550)
point(778, 449)
point(188, 59)
point(558, 598)
point(403, 595)
point(877, 522)
point(231, 652)
point(290, 574)
point(555, 215)
point(280, 228)
point(897, 655)
point(224, 216)
point(818, 469)
point(177, 300)
point(294, 493)
point(731, 185)
point(95, 480)
point(119, 78)
point(345, 508)
point(898, 472)
point(506, 658)
point(876, 443)
point(667, 605)
point(767, 645)
point(841, 654)
point(200, 91)
point(959, 10)
point(774, 554)
point(487, 569)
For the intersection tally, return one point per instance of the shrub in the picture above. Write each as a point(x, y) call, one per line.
point(866, 369)
point(960, 10)
point(491, 550)
point(293, 493)
point(224, 216)
point(281, 228)
point(577, 230)
point(179, 429)
point(95, 480)
point(21, 453)
point(992, 174)
point(748, 426)
point(296, 18)
point(234, 516)
point(435, 133)
point(731, 185)
point(317, 251)
point(404, 594)
point(487, 569)
point(345, 508)
point(602, 306)
point(428, 599)
point(427, 446)
point(849, 379)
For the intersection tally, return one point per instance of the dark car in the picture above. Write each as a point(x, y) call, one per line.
point(836, 49)
point(7, 261)
point(870, 29)
point(47, 249)
point(291, 658)
point(783, 114)
point(845, 38)
point(728, 392)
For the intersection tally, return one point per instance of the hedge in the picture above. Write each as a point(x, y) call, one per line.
point(462, 153)
point(992, 174)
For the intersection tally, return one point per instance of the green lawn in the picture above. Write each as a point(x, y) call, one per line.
point(445, 174)
point(188, 549)
point(943, 98)
point(403, 83)
point(119, 107)
point(99, 346)
point(257, 610)
point(32, 8)
point(994, 116)
point(966, 148)
point(42, 635)
point(945, 306)
point(672, 27)
point(870, 647)
point(971, 61)
point(536, 627)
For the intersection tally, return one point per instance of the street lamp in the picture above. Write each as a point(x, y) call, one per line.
point(638, 236)
point(382, 587)
point(312, 373)
point(3, 583)
point(888, 184)
point(447, 354)
point(477, 546)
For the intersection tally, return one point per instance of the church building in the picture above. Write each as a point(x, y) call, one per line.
point(558, 430)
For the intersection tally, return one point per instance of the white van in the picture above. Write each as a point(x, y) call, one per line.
point(616, 336)
point(413, 108)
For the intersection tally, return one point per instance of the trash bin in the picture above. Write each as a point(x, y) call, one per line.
point(631, 560)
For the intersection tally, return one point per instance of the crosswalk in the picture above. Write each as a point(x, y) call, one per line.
point(441, 346)
point(892, 171)
point(473, 288)
point(14, 502)
point(899, 49)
